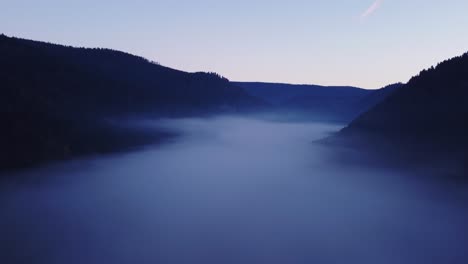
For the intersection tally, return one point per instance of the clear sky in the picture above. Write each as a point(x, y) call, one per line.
point(364, 43)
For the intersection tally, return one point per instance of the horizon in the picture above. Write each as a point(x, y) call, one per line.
point(234, 81)
point(327, 43)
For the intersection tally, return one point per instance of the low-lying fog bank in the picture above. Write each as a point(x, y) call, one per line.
point(229, 190)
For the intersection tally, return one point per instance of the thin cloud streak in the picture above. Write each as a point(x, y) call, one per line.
point(372, 9)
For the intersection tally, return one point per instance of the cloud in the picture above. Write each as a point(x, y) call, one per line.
point(372, 9)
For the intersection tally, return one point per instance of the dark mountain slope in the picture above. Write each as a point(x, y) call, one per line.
point(424, 121)
point(53, 99)
point(111, 81)
point(323, 103)
point(376, 96)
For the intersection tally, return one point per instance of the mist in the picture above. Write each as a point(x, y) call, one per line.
point(230, 190)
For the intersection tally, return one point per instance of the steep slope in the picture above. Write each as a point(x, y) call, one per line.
point(376, 96)
point(53, 98)
point(424, 121)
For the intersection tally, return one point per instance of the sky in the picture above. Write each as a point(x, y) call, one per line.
point(364, 43)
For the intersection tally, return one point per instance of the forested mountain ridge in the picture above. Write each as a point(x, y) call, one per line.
point(53, 98)
point(426, 120)
point(112, 81)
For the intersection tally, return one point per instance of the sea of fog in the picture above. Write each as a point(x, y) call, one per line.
point(229, 190)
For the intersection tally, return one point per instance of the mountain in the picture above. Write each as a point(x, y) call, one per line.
point(323, 103)
point(376, 96)
point(111, 82)
point(54, 99)
point(423, 123)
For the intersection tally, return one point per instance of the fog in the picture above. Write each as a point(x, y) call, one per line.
point(229, 190)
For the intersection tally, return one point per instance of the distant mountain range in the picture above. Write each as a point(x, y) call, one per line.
point(53, 98)
point(424, 122)
point(320, 103)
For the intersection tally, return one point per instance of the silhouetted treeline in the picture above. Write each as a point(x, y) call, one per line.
point(424, 122)
point(53, 98)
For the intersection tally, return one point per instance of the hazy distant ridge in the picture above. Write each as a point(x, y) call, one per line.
point(321, 103)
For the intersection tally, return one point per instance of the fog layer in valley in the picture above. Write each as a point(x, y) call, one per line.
point(229, 190)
